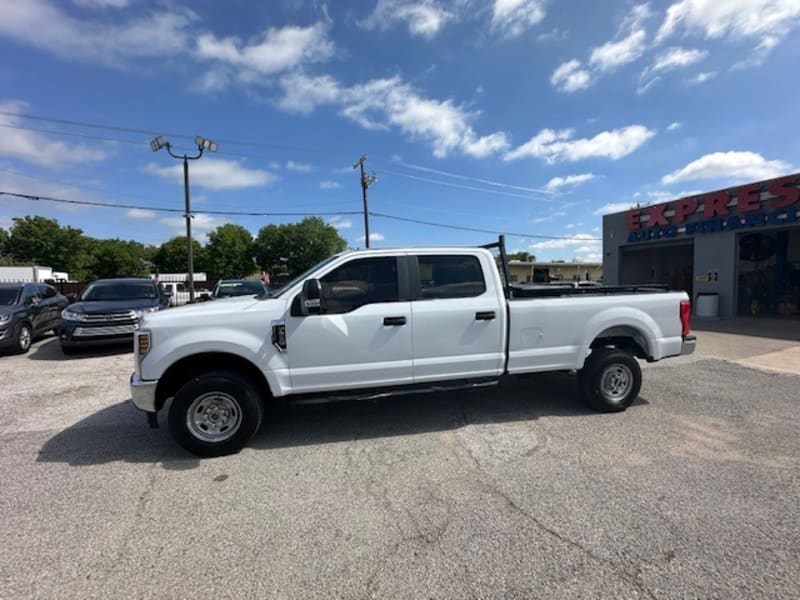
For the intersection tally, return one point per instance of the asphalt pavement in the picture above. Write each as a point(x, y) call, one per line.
point(517, 491)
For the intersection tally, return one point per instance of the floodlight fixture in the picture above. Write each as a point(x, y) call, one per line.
point(159, 143)
point(205, 143)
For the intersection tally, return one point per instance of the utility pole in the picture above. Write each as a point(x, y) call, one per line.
point(366, 181)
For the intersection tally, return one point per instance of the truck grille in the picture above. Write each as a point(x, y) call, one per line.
point(116, 317)
point(105, 331)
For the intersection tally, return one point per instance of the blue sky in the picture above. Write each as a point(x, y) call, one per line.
point(526, 116)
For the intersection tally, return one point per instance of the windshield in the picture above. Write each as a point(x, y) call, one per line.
point(129, 290)
point(304, 275)
point(9, 296)
point(227, 289)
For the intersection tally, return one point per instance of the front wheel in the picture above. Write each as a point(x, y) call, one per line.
point(610, 380)
point(23, 338)
point(215, 413)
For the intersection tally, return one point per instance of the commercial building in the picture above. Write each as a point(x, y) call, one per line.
point(738, 248)
point(527, 271)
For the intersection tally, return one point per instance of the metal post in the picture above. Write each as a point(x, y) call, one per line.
point(366, 206)
point(188, 227)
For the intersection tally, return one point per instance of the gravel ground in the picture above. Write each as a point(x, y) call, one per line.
point(514, 491)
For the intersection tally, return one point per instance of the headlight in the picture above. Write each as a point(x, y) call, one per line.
point(4, 317)
point(143, 311)
point(71, 315)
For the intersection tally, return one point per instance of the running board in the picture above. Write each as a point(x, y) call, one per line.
point(325, 397)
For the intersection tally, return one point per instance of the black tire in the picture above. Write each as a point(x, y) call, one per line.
point(215, 399)
point(23, 337)
point(610, 380)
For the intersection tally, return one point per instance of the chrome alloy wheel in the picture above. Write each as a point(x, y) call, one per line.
point(616, 382)
point(24, 338)
point(214, 417)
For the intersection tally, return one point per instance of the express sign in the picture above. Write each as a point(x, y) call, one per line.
point(718, 213)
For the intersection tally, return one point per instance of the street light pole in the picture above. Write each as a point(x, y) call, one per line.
point(203, 144)
point(190, 249)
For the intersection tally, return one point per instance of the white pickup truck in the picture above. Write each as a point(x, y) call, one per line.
point(372, 322)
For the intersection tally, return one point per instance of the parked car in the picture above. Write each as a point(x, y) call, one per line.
point(372, 322)
point(27, 310)
point(230, 288)
point(107, 312)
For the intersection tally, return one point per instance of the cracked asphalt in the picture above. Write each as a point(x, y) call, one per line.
point(517, 491)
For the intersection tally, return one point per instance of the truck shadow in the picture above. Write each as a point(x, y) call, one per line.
point(119, 432)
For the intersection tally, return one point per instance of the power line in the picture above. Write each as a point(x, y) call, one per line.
point(33, 197)
point(466, 187)
point(176, 210)
point(460, 228)
point(279, 147)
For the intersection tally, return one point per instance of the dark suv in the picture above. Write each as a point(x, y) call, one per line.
point(27, 310)
point(108, 312)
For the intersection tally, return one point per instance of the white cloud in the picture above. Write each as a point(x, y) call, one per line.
point(216, 174)
point(102, 3)
point(556, 146)
point(140, 213)
point(38, 148)
point(298, 166)
point(341, 223)
point(44, 25)
point(676, 57)
point(549, 217)
point(764, 20)
point(424, 18)
point(570, 76)
point(329, 185)
point(201, 224)
point(6, 223)
point(729, 165)
point(275, 51)
point(304, 94)
point(583, 246)
point(702, 77)
point(373, 237)
point(570, 180)
point(381, 104)
point(512, 17)
point(611, 55)
point(555, 35)
point(674, 126)
point(613, 207)
point(628, 46)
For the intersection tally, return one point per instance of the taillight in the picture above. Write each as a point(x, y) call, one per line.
point(686, 317)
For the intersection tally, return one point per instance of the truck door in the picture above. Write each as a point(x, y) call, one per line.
point(363, 336)
point(457, 319)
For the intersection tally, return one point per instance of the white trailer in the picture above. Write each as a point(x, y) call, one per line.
point(32, 274)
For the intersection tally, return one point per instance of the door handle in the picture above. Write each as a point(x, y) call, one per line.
point(485, 315)
point(394, 321)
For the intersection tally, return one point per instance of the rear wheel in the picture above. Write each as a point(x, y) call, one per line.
point(610, 380)
point(215, 413)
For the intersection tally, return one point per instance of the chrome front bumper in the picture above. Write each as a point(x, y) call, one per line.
point(689, 343)
point(143, 393)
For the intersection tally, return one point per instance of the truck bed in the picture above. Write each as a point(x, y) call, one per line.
point(544, 290)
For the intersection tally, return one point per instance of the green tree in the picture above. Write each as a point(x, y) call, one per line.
point(117, 258)
point(3, 241)
point(230, 252)
point(296, 247)
point(172, 256)
point(39, 240)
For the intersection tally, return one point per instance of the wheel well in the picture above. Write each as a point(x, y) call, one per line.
point(624, 338)
point(186, 368)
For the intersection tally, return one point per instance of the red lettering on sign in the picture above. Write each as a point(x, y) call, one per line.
point(748, 198)
point(716, 204)
point(685, 207)
point(657, 217)
point(785, 190)
point(632, 220)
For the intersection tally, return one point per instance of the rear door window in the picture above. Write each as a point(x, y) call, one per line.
point(450, 276)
